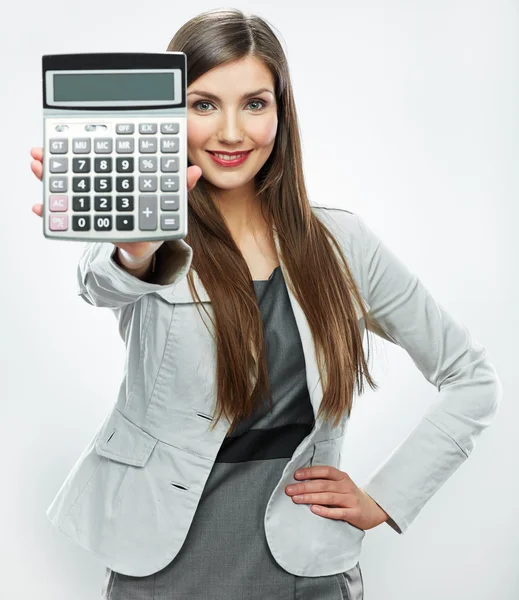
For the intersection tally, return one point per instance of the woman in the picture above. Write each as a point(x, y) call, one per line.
point(267, 264)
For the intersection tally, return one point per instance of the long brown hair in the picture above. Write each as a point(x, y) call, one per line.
point(323, 289)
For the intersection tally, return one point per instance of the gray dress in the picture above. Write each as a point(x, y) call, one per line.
point(225, 555)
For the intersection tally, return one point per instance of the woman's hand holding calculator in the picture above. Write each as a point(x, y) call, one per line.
point(135, 253)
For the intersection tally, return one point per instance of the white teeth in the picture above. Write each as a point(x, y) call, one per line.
point(227, 157)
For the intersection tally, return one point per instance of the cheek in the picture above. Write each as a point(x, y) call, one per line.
point(195, 135)
point(264, 133)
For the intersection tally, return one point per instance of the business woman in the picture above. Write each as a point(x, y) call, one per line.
point(290, 288)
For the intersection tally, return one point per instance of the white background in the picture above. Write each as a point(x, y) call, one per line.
point(408, 111)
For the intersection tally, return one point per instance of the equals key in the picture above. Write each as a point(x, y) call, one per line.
point(169, 222)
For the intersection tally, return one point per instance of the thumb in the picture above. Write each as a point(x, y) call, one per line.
point(193, 175)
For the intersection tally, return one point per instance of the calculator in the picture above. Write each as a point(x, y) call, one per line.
point(115, 146)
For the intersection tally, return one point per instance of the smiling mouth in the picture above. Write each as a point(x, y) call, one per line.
point(229, 159)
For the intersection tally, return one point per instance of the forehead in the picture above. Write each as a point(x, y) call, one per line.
point(235, 76)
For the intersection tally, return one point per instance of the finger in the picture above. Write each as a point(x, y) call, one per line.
point(37, 153)
point(37, 169)
point(320, 471)
point(193, 175)
point(339, 514)
point(38, 209)
point(327, 498)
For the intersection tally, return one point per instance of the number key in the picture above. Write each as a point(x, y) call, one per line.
point(103, 203)
point(103, 184)
point(81, 184)
point(81, 223)
point(124, 203)
point(103, 222)
point(102, 165)
point(80, 203)
point(81, 165)
point(124, 165)
point(124, 184)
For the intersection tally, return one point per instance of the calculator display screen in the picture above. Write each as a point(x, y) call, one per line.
point(115, 87)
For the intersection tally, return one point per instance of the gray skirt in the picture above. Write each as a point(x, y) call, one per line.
point(343, 586)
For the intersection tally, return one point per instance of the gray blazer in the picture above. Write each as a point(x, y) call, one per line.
point(132, 494)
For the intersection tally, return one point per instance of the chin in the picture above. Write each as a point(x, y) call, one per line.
point(228, 185)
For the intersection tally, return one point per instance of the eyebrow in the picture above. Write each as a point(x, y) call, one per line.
point(214, 97)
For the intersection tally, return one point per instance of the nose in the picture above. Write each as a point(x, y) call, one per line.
point(231, 129)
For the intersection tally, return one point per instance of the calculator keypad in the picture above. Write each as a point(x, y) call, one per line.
point(129, 182)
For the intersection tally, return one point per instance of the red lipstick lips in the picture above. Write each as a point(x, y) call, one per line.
point(230, 162)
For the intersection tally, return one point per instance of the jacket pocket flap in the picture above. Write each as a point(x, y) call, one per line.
point(123, 441)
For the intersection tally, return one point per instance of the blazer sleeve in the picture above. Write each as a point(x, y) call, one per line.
point(403, 312)
point(102, 282)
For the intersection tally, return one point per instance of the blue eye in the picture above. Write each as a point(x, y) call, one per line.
point(195, 105)
point(260, 101)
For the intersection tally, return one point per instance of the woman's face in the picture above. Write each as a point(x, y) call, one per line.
point(232, 108)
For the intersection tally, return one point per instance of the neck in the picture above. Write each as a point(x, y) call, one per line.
point(241, 210)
